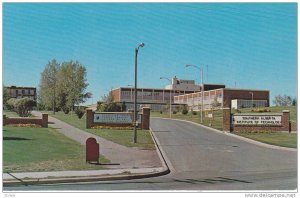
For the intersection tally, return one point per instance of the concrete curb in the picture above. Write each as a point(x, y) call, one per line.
point(102, 175)
point(162, 155)
point(33, 178)
point(238, 137)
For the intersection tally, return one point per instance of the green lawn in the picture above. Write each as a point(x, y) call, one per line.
point(216, 123)
point(123, 137)
point(42, 149)
point(274, 138)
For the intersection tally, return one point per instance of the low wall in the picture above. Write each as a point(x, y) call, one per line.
point(117, 119)
point(279, 122)
point(43, 122)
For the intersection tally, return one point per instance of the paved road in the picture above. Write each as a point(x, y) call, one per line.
point(201, 159)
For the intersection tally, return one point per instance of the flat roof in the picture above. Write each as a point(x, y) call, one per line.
point(231, 89)
point(16, 87)
point(153, 89)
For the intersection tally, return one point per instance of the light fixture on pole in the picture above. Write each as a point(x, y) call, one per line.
point(135, 94)
point(201, 88)
point(170, 95)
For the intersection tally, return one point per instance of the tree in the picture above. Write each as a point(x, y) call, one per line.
point(63, 86)
point(108, 104)
point(294, 103)
point(6, 95)
point(48, 86)
point(282, 100)
point(72, 83)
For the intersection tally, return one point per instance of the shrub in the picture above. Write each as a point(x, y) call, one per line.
point(194, 112)
point(80, 113)
point(10, 104)
point(160, 112)
point(174, 112)
point(184, 111)
point(66, 110)
point(23, 106)
point(110, 107)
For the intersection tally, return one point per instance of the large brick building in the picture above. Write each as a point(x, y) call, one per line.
point(157, 99)
point(224, 97)
point(186, 92)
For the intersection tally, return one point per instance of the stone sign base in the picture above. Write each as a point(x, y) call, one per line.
point(281, 122)
point(117, 119)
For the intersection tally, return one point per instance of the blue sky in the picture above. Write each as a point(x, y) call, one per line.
point(251, 45)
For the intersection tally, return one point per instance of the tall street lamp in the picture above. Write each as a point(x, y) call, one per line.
point(135, 94)
point(202, 87)
point(170, 95)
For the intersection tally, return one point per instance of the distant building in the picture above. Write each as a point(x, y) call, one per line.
point(225, 98)
point(22, 92)
point(158, 99)
point(189, 85)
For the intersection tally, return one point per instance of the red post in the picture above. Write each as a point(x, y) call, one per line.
point(92, 150)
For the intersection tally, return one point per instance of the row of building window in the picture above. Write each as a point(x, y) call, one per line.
point(23, 91)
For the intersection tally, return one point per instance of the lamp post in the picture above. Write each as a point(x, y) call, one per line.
point(252, 98)
point(135, 94)
point(170, 95)
point(202, 91)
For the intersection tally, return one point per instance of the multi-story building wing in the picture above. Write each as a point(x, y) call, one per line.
point(22, 92)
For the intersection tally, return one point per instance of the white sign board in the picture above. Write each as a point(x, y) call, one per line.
point(270, 120)
point(114, 118)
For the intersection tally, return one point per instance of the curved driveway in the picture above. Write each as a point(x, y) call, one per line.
point(196, 153)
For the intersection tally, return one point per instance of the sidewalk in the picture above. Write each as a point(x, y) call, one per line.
point(127, 163)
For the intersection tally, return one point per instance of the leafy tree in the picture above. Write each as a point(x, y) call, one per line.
point(108, 104)
point(294, 103)
point(282, 100)
point(6, 95)
point(72, 83)
point(48, 86)
point(63, 86)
